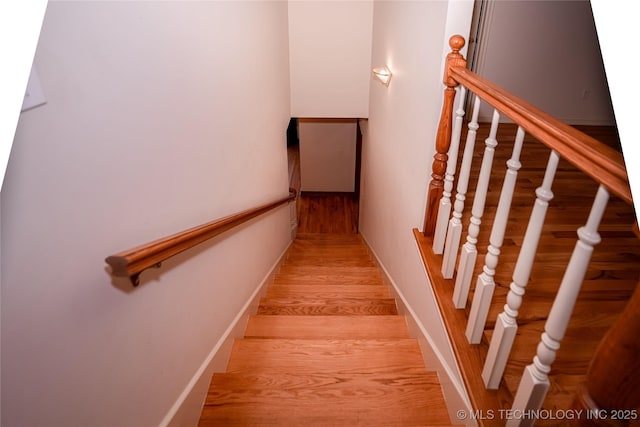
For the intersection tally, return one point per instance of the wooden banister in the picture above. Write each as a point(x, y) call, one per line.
point(130, 263)
point(600, 162)
point(443, 137)
point(603, 164)
point(595, 161)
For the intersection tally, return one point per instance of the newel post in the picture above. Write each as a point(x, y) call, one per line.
point(443, 137)
point(611, 394)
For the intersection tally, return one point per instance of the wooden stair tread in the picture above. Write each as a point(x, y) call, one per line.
point(330, 248)
point(326, 399)
point(331, 261)
point(328, 262)
point(327, 291)
point(344, 253)
point(327, 327)
point(327, 280)
point(325, 355)
point(328, 306)
point(300, 248)
point(335, 270)
point(329, 237)
point(324, 273)
point(326, 348)
point(351, 250)
point(321, 260)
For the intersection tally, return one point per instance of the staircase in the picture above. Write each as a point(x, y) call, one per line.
point(326, 348)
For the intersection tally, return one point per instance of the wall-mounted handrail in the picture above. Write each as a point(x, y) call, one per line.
point(131, 262)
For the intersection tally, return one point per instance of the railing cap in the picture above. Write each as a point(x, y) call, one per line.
point(456, 42)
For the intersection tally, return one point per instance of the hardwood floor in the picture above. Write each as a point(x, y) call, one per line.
point(326, 348)
point(327, 212)
point(611, 278)
point(322, 212)
point(293, 159)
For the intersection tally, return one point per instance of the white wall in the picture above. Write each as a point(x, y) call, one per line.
point(547, 53)
point(327, 154)
point(330, 57)
point(156, 121)
point(613, 27)
point(398, 147)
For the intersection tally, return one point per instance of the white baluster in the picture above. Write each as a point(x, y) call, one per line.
point(469, 252)
point(454, 232)
point(534, 383)
point(506, 326)
point(293, 216)
point(444, 209)
point(485, 284)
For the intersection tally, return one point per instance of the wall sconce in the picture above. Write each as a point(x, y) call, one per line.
point(383, 74)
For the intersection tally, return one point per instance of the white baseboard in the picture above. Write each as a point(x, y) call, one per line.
point(453, 390)
point(187, 409)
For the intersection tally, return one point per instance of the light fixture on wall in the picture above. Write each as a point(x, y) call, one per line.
point(383, 74)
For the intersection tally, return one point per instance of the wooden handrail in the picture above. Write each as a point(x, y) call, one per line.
point(443, 137)
point(600, 162)
point(130, 263)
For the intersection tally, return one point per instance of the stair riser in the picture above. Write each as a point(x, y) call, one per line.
point(310, 307)
point(326, 280)
point(327, 291)
point(319, 262)
point(327, 348)
point(353, 356)
point(332, 327)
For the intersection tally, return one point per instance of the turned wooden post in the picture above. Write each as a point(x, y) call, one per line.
point(612, 388)
point(443, 137)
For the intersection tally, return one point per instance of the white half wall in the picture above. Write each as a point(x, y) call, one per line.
point(330, 57)
point(156, 121)
point(327, 154)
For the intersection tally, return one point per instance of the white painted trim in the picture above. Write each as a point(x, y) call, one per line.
point(188, 406)
point(423, 335)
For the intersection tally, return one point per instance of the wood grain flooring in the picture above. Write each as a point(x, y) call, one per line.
point(326, 348)
point(332, 213)
point(612, 275)
point(322, 212)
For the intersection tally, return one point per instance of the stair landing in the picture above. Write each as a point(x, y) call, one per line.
point(326, 348)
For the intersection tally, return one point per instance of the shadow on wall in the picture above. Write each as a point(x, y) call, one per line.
point(292, 132)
